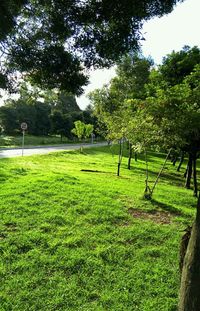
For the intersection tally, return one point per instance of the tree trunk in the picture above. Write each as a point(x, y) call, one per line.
point(135, 156)
point(118, 169)
point(183, 247)
point(130, 156)
point(181, 161)
point(195, 175)
point(185, 174)
point(120, 157)
point(189, 172)
point(174, 161)
point(189, 296)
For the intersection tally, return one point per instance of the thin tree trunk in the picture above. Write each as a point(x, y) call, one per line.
point(181, 161)
point(118, 168)
point(195, 175)
point(185, 174)
point(130, 155)
point(120, 157)
point(189, 172)
point(135, 156)
point(174, 161)
point(189, 296)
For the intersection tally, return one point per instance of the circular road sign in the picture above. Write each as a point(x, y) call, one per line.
point(24, 126)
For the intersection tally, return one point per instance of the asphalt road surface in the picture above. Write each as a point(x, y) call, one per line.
point(17, 152)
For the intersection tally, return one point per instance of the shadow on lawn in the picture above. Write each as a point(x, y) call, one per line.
point(171, 177)
point(114, 149)
point(167, 208)
point(109, 149)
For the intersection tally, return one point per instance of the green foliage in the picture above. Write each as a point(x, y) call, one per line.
point(60, 124)
point(174, 104)
point(132, 75)
point(88, 130)
point(9, 9)
point(51, 42)
point(158, 107)
point(177, 65)
point(45, 112)
point(120, 105)
point(8, 119)
point(79, 129)
point(82, 130)
point(75, 240)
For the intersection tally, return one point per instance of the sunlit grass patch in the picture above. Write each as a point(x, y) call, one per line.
point(72, 240)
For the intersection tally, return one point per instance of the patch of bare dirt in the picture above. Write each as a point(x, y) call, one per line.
point(159, 217)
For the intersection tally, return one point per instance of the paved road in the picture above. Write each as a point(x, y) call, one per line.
point(10, 153)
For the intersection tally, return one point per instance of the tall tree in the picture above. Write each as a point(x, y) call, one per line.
point(189, 298)
point(175, 106)
point(174, 101)
point(117, 103)
point(177, 65)
point(120, 104)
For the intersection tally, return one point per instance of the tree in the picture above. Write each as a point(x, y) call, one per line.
point(9, 9)
point(174, 104)
point(88, 130)
point(120, 103)
point(66, 103)
point(167, 115)
point(45, 111)
point(61, 124)
point(50, 41)
point(189, 298)
point(8, 119)
point(175, 107)
point(42, 118)
point(90, 118)
point(64, 111)
point(82, 130)
point(177, 65)
point(79, 129)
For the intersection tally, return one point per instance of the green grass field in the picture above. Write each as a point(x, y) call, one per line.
point(30, 140)
point(77, 240)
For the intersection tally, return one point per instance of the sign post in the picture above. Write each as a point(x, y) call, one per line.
point(92, 138)
point(24, 128)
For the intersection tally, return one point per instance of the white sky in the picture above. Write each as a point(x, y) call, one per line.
point(162, 36)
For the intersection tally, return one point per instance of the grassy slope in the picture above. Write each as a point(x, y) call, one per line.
point(68, 241)
point(30, 140)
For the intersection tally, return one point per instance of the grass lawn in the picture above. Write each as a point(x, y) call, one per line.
point(30, 140)
point(78, 240)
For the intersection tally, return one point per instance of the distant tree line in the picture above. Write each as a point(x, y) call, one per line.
point(46, 113)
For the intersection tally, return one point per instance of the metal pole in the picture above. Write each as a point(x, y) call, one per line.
point(23, 142)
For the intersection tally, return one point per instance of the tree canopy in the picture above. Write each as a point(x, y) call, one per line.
point(52, 42)
point(155, 106)
point(120, 104)
point(45, 112)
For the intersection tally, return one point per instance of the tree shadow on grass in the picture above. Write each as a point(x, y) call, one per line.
point(167, 208)
point(177, 180)
point(114, 150)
